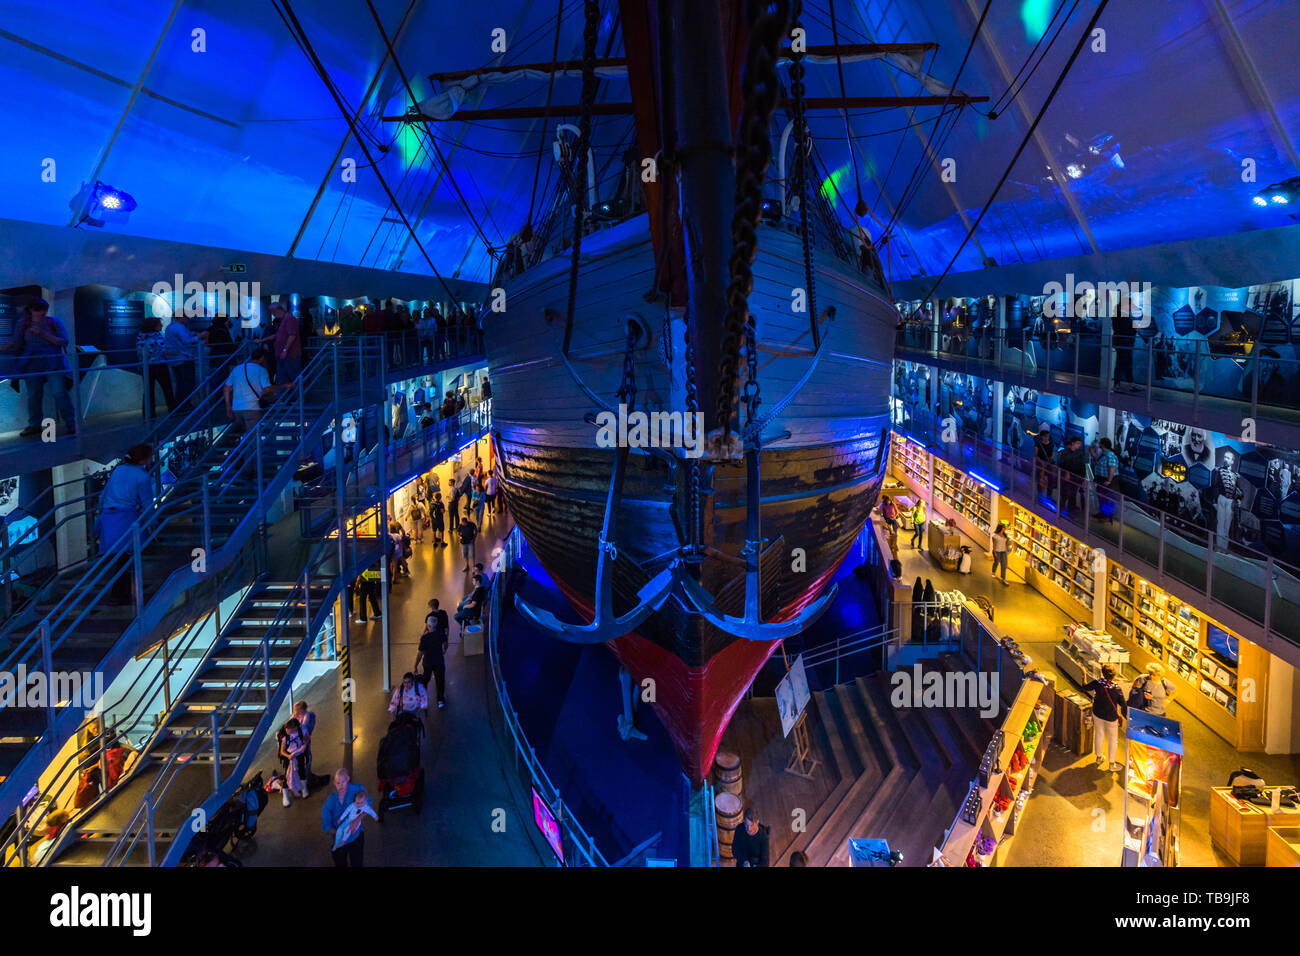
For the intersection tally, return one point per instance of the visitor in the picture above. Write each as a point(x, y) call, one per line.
point(798, 858)
point(54, 824)
point(470, 608)
point(287, 344)
point(154, 369)
point(1044, 454)
point(889, 511)
point(749, 846)
point(1121, 324)
point(181, 348)
point(400, 548)
point(409, 697)
point(40, 340)
point(437, 512)
point(468, 531)
point(415, 518)
point(918, 524)
point(490, 492)
point(127, 495)
point(1073, 464)
point(431, 660)
point(999, 541)
point(347, 847)
point(244, 388)
point(306, 718)
point(1104, 475)
point(1152, 690)
point(485, 393)
point(479, 501)
point(370, 592)
point(1108, 711)
point(292, 746)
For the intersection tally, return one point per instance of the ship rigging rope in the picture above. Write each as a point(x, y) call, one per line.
point(860, 209)
point(1029, 133)
point(300, 36)
point(797, 90)
point(589, 36)
point(527, 232)
point(760, 88)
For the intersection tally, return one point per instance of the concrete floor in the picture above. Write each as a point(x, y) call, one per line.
point(1063, 825)
point(466, 783)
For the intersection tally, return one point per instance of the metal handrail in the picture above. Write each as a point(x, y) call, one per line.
point(580, 840)
point(157, 683)
point(93, 587)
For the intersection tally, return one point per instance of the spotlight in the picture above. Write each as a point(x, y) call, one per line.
point(1279, 194)
point(1074, 170)
point(100, 203)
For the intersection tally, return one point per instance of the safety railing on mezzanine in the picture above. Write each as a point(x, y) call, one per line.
point(1236, 576)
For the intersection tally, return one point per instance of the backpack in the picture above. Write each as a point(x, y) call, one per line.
point(406, 545)
point(1137, 698)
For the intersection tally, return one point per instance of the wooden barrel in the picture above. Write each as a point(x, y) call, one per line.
point(729, 811)
point(726, 771)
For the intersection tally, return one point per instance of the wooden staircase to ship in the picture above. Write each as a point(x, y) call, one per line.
point(894, 773)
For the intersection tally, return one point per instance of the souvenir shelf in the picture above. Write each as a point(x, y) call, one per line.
point(1158, 626)
point(964, 495)
point(991, 812)
point(956, 495)
point(1053, 556)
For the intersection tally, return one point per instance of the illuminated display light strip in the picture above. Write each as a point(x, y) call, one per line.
point(983, 481)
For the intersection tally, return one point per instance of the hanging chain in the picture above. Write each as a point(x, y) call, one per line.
point(692, 410)
point(760, 88)
point(589, 37)
point(802, 145)
point(627, 390)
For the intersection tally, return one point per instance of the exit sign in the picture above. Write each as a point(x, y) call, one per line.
point(237, 267)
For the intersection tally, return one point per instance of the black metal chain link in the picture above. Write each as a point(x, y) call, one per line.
point(760, 89)
point(797, 91)
point(627, 390)
point(590, 35)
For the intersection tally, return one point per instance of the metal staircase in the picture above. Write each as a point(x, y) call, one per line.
point(199, 526)
point(196, 736)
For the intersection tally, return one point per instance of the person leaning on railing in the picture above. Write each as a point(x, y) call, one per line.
point(40, 340)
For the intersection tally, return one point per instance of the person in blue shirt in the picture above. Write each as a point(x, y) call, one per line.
point(126, 496)
point(343, 796)
point(181, 347)
point(40, 339)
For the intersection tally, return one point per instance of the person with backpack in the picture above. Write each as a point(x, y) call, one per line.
point(401, 548)
point(293, 758)
point(1109, 710)
point(409, 697)
point(1151, 691)
point(415, 514)
point(437, 511)
point(918, 524)
point(468, 531)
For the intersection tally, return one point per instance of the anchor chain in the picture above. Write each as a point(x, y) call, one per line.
point(802, 145)
point(760, 88)
point(627, 390)
point(579, 188)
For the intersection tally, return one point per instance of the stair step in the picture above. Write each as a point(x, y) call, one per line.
point(839, 825)
point(884, 715)
point(887, 798)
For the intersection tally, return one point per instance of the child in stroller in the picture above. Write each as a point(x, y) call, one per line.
point(401, 778)
point(234, 822)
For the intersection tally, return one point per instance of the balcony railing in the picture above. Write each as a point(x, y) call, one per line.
point(1242, 577)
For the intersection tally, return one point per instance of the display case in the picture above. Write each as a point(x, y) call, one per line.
point(1153, 752)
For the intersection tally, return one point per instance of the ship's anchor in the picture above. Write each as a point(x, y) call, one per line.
point(605, 626)
point(752, 626)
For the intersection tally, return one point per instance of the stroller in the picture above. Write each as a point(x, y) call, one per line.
point(234, 822)
point(401, 778)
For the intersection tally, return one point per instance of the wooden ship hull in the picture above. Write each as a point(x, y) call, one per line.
point(823, 458)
